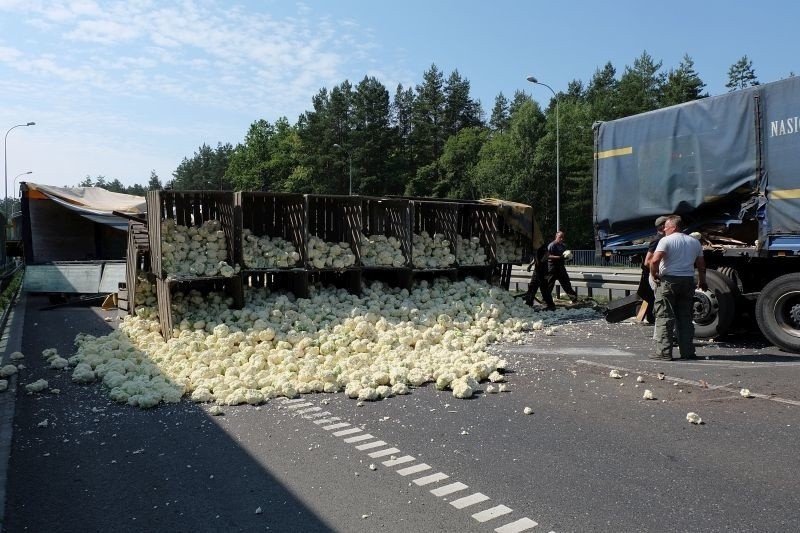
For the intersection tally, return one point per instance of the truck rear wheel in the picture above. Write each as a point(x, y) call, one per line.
point(714, 309)
point(778, 312)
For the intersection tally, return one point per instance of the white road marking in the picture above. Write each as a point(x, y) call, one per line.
point(398, 461)
point(433, 478)
point(489, 514)
point(309, 410)
point(693, 383)
point(384, 453)
point(413, 469)
point(336, 426)
point(358, 438)
point(317, 415)
point(523, 524)
point(466, 501)
point(448, 489)
point(295, 400)
point(327, 420)
point(344, 432)
point(299, 405)
point(370, 445)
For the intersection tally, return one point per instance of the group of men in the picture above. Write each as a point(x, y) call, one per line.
point(548, 266)
point(669, 267)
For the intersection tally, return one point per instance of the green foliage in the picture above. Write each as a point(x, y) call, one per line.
point(741, 75)
point(431, 140)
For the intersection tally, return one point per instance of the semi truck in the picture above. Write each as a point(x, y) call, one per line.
point(729, 165)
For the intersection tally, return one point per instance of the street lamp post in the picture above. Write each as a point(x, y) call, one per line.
point(349, 165)
point(5, 163)
point(14, 183)
point(532, 79)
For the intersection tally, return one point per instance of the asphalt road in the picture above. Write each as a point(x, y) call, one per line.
point(593, 456)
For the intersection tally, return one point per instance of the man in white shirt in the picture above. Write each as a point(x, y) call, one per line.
point(672, 266)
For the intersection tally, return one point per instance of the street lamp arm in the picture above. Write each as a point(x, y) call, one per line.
point(5, 163)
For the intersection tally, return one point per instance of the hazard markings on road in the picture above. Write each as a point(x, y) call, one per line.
point(408, 466)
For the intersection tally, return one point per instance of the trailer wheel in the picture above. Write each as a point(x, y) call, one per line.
point(714, 309)
point(778, 312)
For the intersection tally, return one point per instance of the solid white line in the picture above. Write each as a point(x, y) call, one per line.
point(370, 445)
point(693, 382)
point(466, 501)
point(523, 524)
point(299, 405)
point(344, 432)
point(309, 410)
point(448, 489)
point(336, 426)
point(398, 461)
point(357, 438)
point(327, 420)
point(384, 453)
point(413, 469)
point(317, 415)
point(433, 478)
point(494, 512)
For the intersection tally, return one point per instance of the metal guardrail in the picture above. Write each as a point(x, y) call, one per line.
point(591, 281)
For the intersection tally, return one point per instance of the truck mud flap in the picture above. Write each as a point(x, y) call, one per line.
point(624, 308)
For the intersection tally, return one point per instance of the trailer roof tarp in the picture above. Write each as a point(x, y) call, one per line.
point(93, 203)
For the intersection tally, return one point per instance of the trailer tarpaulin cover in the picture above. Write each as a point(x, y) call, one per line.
point(675, 159)
point(94, 203)
point(781, 153)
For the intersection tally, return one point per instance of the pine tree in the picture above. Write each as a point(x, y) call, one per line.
point(741, 75)
point(500, 114)
point(683, 84)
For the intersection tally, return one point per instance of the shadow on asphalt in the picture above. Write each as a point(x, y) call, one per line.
point(95, 465)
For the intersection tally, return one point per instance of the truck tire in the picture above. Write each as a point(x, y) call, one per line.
point(778, 312)
point(715, 309)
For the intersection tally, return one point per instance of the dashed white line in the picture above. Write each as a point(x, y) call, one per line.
point(317, 415)
point(466, 501)
point(358, 438)
point(294, 400)
point(384, 453)
point(523, 524)
point(433, 478)
point(327, 420)
point(448, 489)
point(413, 469)
point(344, 432)
point(398, 461)
point(370, 445)
point(489, 514)
point(309, 410)
point(336, 426)
point(299, 405)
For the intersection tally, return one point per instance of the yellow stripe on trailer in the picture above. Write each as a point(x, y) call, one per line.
point(628, 150)
point(785, 194)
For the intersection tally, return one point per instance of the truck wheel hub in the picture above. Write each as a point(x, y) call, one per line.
point(706, 307)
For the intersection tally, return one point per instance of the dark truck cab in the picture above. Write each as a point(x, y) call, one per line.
point(730, 166)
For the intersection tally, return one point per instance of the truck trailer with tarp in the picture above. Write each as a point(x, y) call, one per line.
point(75, 239)
point(729, 165)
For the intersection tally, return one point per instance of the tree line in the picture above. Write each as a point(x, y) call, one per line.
point(434, 140)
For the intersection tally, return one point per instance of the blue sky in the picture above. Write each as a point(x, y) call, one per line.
point(122, 88)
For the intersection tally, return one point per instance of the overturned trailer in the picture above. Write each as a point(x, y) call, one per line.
point(75, 239)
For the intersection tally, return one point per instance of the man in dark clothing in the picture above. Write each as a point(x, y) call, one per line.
point(556, 270)
point(645, 290)
point(539, 279)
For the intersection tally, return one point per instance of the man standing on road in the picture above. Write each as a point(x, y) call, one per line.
point(556, 270)
point(645, 290)
point(539, 279)
point(672, 267)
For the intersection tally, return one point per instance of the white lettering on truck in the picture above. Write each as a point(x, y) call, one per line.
point(784, 126)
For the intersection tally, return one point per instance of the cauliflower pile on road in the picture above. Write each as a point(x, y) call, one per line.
point(369, 346)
